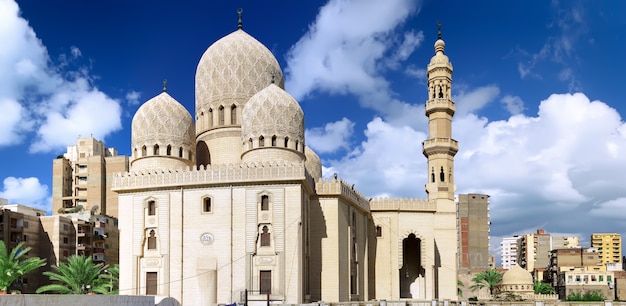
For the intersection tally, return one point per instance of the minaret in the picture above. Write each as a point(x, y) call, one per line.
point(440, 148)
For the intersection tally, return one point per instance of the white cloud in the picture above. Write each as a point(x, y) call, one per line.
point(132, 97)
point(418, 73)
point(513, 104)
point(25, 191)
point(330, 138)
point(471, 101)
point(340, 54)
point(40, 97)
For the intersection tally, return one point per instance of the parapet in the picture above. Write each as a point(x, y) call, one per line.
point(403, 204)
point(338, 187)
point(216, 174)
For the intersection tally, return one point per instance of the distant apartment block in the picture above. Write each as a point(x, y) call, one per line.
point(533, 250)
point(82, 178)
point(579, 270)
point(508, 252)
point(473, 232)
point(609, 247)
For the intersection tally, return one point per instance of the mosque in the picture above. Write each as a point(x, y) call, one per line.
point(230, 205)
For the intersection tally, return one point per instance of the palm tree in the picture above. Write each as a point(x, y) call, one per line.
point(112, 274)
point(486, 279)
point(459, 285)
point(78, 275)
point(543, 288)
point(14, 266)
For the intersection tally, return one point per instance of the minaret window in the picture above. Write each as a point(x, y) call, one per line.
point(156, 149)
point(432, 176)
point(440, 91)
point(180, 152)
point(265, 236)
point(442, 175)
point(297, 146)
point(206, 205)
point(221, 115)
point(286, 142)
point(250, 144)
point(261, 141)
point(274, 141)
point(233, 114)
point(152, 241)
point(144, 151)
point(210, 117)
point(169, 150)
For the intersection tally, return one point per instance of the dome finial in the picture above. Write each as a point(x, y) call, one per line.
point(239, 23)
point(438, 30)
point(164, 85)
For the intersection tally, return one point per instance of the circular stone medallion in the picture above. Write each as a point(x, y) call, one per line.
point(206, 238)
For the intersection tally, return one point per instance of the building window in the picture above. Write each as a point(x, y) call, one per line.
point(25, 224)
point(151, 208)
point(233, 114)
point(265, 282)
point(274, 141)
point(65, 227)
point(66, 254)
point(152, 241)
point(66, 240)
point(151, 283)
point(210, 117)
point(156, 149)
point(25, 237)
point(144, 151)
point(221, 114)
point(169, 150)
point(206, 205)
point(379, 231)
point(265, 236)
point(286, 142)
point(265, 202)
point(261, 141)
point(180, 152)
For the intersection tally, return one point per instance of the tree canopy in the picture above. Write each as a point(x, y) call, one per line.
point(78, 275)
point(486, 279)
point(14, 265)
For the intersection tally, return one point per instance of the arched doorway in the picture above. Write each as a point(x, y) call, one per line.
point(411, 264)
point(203, 156)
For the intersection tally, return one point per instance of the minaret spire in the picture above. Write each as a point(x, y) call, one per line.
point(240, 23)
point(438, 30)
point(164, 85)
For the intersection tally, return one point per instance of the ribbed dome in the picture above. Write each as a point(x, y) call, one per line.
point(163, 127)
point(273, 112)
point(232, 70)
point(313, 163)
point(517, 276)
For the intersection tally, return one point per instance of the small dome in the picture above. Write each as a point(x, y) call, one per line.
point(273, 112)
point(313, 163)
point(165, 125)
point(517, 276)
point(232, 70)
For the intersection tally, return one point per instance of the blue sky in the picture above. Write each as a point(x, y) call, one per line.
point(538, 88)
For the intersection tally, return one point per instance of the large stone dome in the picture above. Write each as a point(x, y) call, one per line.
point(517, 276)
point(163, 127)
point(273, 119)
point(313, 163)
point(232, 70)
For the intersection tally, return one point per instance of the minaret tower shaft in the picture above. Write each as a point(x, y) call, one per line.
point(440, 148)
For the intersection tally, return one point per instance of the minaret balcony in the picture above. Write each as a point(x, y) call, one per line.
point(440, 145)
point(440, 105)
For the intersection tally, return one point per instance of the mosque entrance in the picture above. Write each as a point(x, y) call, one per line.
point(411, 267)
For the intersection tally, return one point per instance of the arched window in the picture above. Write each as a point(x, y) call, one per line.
point(152, 240)
point(221, 115)
point(274, 141)
point(265, 202)
point(156, 149)
point(206, 205)
point(265, 236)
point(151, 208)
point(210, 117)
point(180, 152)
point(169, 150)
point(286, 142)
point(297, 146)
point(379, 231)
point(442, 175)
point(250, 144)
point(233, 114)
point(261, 141)
point(144, 151)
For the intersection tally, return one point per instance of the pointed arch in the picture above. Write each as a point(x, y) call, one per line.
point(210, 117)
point(144, 151)
point(203, 154)
point(169, 150)
point(156, 150)
point(233, 114)
point(274, 141)
point(261, 141)
point(220, 112)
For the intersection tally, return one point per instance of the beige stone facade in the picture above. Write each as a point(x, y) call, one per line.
point(241, 206)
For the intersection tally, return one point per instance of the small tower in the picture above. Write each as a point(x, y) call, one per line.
point(440, 148)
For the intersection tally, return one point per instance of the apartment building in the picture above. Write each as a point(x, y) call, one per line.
point(473, 232)
point(508, 252)
point(534, 250)
point(609, 247)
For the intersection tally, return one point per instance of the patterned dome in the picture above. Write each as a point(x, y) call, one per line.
point(273, 112)
point(517, 276)
point(163, 121)
point(232, 70)
point(313, 163)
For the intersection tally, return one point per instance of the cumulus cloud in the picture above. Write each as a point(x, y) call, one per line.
point(341, 55)
point(475, 99)
point(513, 104)
point(132, 97)
point(331, 137)
point(26, 191)
point(40, 98)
